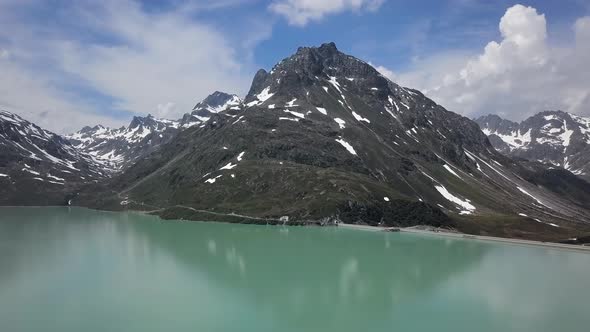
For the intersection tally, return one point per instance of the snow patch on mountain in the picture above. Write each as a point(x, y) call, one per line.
point(360, 118)
point(347, 146)
point(261, 97)
point(515, 139)
point(290, 119)
point(212, 180)
point(228, 166)
point(531, 196)
point(297, 114)
point(340, 123)
point(465, 204)
point(450, 170)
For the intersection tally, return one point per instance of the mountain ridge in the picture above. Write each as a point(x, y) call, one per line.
point(118, 148)
point(39, 167)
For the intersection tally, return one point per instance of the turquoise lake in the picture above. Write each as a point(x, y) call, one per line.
point(75, 269)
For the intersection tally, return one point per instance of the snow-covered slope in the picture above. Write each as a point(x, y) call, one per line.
point(121, 147)
point(115, 148)
point(216, 102)
point(553, 137)
point(38, 165)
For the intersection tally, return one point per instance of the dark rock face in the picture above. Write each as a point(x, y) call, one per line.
point(38, 167)
point(324, 136)
point(552, 137)
point(258, 81)
point(496, 124)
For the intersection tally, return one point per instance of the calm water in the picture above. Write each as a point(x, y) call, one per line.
point(78, 270)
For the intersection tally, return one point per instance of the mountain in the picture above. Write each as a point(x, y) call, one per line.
point(39, 167)
point(323, 137)
point(214, 103)
point(119, 148)
point(553, 137)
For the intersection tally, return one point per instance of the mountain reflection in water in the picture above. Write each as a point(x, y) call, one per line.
point(77, 269)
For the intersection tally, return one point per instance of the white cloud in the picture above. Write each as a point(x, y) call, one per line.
point(516, 77)
point(301, 12)
point(167, 109)
point(35, 99)
point(163, 58)
point(523, 46)
point(146, 62)
point(385, 71)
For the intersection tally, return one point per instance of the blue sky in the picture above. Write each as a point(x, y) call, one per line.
point(72, 63)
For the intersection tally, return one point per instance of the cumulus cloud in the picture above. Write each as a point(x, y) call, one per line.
point(128, 59)
point(516, 77)
point(523, 46)
point(301, 12)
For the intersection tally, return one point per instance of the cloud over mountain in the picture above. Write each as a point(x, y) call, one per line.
point(521, 74)
point(301, 12)
point(106, 61)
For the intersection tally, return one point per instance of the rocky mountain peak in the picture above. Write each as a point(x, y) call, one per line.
point(88, 129)
point(313, 66)
point(555, 118)
point(257, 82)
point(559, 113)
point(215, 101)
point(13, 119)
point(136, 122)
point(327, 60)
point(494, 122)
point(326, 50)
point(149, 122)
point(322, 85)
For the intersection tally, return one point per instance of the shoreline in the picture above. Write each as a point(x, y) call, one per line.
point(463, 236)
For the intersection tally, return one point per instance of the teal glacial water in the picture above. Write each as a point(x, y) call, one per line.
point(74, 269)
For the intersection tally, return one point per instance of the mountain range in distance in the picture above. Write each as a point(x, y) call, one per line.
point(553, 137)
point(323, 137)
point(118, 148)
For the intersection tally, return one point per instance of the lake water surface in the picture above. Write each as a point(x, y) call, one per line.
point(74, 269)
